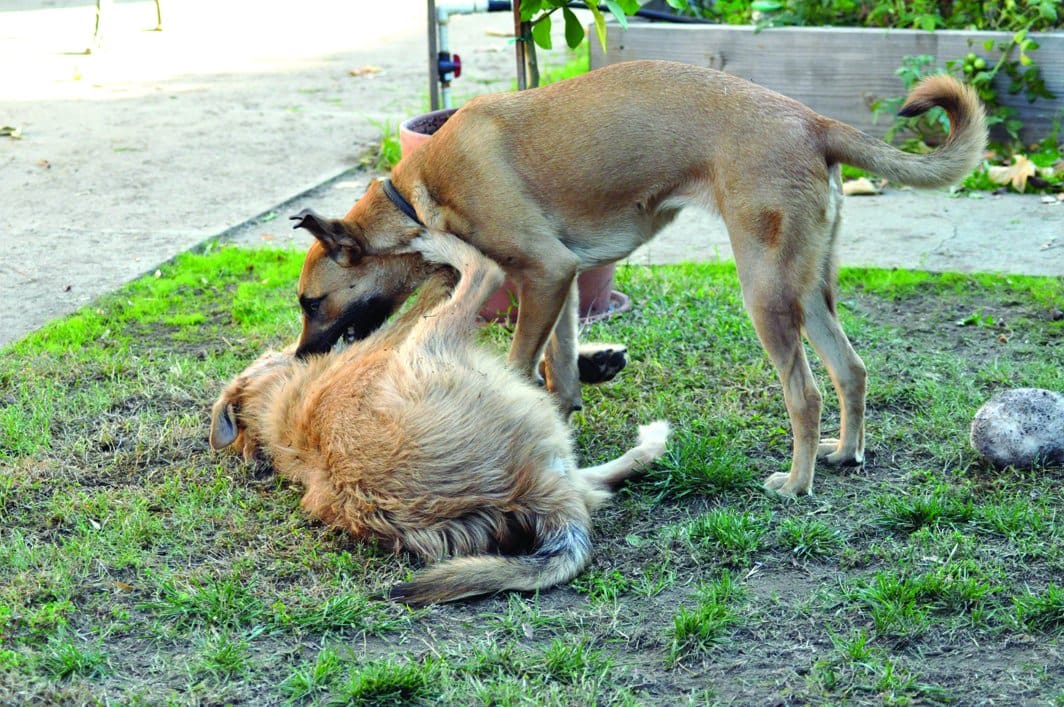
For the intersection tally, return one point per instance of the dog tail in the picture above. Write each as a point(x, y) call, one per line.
point(558, 557)
point(950, 163)
point(562, 547)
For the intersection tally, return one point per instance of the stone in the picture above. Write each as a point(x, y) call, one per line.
point(1022, 427)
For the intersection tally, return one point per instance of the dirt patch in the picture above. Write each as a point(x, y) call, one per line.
point(201, 583)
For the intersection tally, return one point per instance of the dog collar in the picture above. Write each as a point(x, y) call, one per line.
point(400, 203)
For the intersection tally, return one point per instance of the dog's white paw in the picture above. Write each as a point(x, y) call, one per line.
point(427, 246)
point(653, 438)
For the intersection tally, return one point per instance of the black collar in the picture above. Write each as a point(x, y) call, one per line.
point(400, 203)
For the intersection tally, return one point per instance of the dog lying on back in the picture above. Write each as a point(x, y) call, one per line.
point(421, 441)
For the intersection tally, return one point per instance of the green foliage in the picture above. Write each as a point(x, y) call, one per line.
point(809, 538)
point(139, 566)
point(730, 536)
point(538, 14)
point(1013, 58)
point(707, 624)
point(389, 151)
point(1034, 15)
point(1042, 612)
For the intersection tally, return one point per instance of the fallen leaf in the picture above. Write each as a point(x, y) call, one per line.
point(44, 163)
point(267, 237)
point(1015, 174)
point(859, 187)
point(11, 132)
point(365, 71)
point(124, 586)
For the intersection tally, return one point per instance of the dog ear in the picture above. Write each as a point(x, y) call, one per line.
point(224, 428)
point(342, 245)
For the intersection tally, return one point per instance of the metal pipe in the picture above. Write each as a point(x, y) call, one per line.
point(519, 47)
point(434, 76)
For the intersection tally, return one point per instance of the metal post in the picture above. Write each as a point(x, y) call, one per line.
point(434, 78)
point(519, 47)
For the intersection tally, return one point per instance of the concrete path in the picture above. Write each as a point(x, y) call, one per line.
point(238, 114)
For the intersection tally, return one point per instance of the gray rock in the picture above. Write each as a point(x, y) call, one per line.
point(1023, 427)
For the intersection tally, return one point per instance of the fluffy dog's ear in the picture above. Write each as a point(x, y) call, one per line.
point(224, 427)
point(342, 244)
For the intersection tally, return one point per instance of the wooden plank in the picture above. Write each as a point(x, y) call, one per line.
point(836, 71)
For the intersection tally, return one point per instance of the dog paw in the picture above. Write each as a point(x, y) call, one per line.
point(599, 363)
point(780, 485)
point(832, 452)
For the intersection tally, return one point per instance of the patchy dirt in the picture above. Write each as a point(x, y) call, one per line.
point(196, 519)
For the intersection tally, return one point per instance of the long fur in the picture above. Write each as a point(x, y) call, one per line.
point(421, 441)
point(643, 140)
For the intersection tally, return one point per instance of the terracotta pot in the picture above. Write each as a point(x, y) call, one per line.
point(598, 299)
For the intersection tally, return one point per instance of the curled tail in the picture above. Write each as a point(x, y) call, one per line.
point(950, 163)
point(558, 557)
point(562, 545)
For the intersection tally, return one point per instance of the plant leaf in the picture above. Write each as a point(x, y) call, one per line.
point(600, 22)
point(574, 29)
point(541, 32)
point(617, 11)
point(529, 8)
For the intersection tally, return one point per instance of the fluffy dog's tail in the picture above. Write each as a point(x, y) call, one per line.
point(559, 555)
point(562, 546)
point(950, 163)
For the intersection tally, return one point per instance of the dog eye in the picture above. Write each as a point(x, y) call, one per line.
point(311, 306)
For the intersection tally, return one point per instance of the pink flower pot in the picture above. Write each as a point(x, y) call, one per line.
point(598, 299)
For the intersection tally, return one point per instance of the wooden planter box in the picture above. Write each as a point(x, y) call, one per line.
point(836, 71)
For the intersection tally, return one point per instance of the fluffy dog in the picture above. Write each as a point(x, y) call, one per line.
point(418, 439)
point(559, 179)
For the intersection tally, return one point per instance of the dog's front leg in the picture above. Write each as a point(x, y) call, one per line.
point(543, 290)
point(560, 365)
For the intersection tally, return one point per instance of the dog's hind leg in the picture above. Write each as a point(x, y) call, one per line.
point(773, 291)
point(433, 291)
point(455, 319)
point(544, 290)
point(845, 367)
point(847, 372)
point(561, 370)
point(599, 482)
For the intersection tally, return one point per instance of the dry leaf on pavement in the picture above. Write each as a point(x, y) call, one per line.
point(1015, 174)
point(365, 71)
point(859, 187)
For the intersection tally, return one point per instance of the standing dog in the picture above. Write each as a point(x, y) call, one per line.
point(552, 181)
point(416, 438)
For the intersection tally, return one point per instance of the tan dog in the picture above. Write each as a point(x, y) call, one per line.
point(552, 181)
point(418, 439)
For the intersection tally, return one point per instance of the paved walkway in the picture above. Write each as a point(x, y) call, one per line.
point(163, 140)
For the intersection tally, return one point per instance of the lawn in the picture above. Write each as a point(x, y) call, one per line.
point(138, 566)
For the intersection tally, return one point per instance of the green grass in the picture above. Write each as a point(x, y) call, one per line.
point(136, 565)
point(707, 624)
